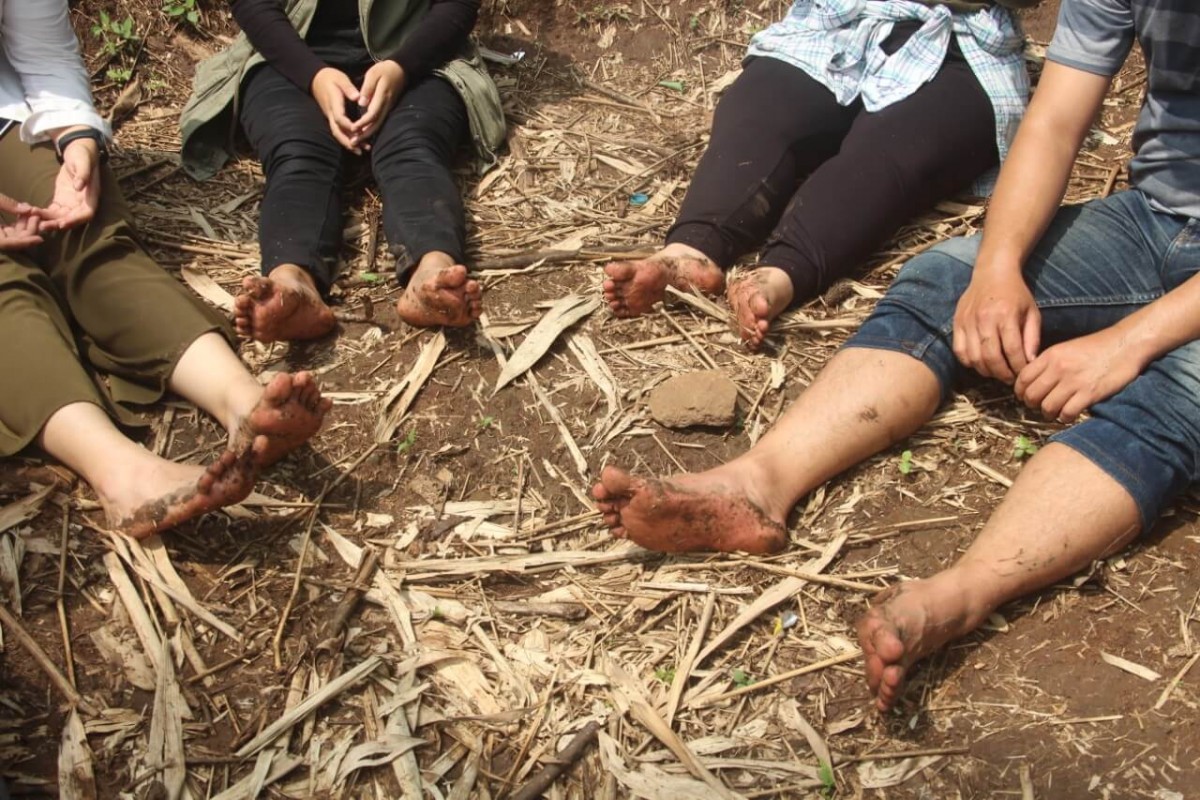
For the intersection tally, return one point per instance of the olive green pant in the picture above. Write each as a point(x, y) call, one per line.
point(87, 316)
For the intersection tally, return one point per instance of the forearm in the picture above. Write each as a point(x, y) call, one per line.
point(271, 33)
point(1169, 322)
point(1034, 177)
point(438, 37)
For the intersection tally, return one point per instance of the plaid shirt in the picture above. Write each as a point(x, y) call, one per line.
point(837, 42)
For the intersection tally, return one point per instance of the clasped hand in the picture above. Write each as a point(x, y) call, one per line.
point(76, 194)
point(381, 88)
point(997, 332)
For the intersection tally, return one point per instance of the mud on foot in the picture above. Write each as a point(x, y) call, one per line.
point(440, 294)
point(226, 481)
point(633, 287)
point(688, 513)
point(290, 410)
point(283, 307)
point(756, 298)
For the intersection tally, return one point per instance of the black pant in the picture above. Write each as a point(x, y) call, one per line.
point(866, 172)
point(411, 158)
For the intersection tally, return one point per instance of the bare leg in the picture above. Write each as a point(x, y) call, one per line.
point(757, 298)
point(282, 307)
point(140, 492)
point(271, 421)
point(633, 287)
point(862, 402)
point(1062, 513)
point(440, 293)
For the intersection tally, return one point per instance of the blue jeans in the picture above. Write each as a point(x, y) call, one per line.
point(1096, 264)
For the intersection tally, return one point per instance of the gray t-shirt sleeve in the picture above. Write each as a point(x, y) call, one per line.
point(1093, 35)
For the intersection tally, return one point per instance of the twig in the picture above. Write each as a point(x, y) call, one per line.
point(1166, 693)
point(330, 635)
point(551, 256)
point(780, 678)
point(39, 655)
point(563, 760)
point(58, 601)
point(885, 756)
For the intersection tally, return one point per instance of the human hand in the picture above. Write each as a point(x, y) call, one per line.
point(997, 325)
point(1071, 377)
point(382, 86)
point(23, 231)
point(332, 89)
point(76, 188)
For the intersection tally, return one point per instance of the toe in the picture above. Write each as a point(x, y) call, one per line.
point(258, 287)
point(277, 392)
point(617, 482)
point(620, 270)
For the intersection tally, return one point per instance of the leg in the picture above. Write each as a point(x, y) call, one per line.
point(1062, 513)
point(422, 207)
point(894, 164)
point(300, 228)
point(755, 159)
point(862, 402)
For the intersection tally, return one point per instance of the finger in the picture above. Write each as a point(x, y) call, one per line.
point(1076, 405)
point(1036, 391)
point(370, 83)
point(1032, 334)
point(371, 116)
point(1028, 376)
point(992, 351)
point(1052, 403)
point(959, 344)
point(1012, 343)
point(341, 137)
point(347, 88)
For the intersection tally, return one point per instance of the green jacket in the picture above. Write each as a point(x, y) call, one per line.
point(208, 119)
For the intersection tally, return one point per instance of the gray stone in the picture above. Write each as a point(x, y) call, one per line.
point(706, 397)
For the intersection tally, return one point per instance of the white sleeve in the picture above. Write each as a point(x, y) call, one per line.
point(41, 47)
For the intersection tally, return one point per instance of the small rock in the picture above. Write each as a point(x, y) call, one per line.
point(706, 397)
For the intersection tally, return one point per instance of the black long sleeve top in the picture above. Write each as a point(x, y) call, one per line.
point(435, 40)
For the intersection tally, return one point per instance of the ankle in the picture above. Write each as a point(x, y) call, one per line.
point(293, 275)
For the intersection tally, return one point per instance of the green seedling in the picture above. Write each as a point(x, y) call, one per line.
point(906, 462)
point(676, 85)
point(370, 277)
point(741, 678)
point(486, 422)
point(665, 674)
point(407, 443)
point(1024, 448)
point(114, 35)
point(694, 22)
point(119, 74)
point(185, 10)
point(825, 776)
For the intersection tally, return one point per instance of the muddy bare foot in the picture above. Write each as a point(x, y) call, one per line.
point(283, 307)
point(290, 410)
point(440, 293)
point(757, 298)
point(688, 513)
point(633, 287)
point(908, 622)
point(164, 494)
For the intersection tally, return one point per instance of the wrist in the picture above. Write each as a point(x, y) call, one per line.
point(81, 136)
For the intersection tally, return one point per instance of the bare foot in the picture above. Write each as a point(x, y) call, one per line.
point(440, 293)
point(290, 410)
point(705, 511)
point(162, 494)
point(285, 306)
point(910, 621)
point(633, 287)
point(756, 298)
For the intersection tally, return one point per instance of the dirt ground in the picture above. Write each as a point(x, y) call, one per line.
point(502, 619)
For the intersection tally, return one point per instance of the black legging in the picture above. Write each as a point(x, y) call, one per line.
point(411, 157)
point(867, 173)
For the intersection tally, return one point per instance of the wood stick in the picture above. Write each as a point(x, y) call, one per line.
point(780, 678)
point(330, 636)
point(563, 760)
point(39, 655)
point(550, 256)
point(69, 658)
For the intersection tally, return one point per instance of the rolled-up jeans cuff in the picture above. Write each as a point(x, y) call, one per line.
point(928, 348)
point(1090, 440)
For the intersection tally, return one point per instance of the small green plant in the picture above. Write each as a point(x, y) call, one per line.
point(183, 10)
point(694, 23)
point(115, 36)
point(825, 776)
point(906, 462)
point(486, 422)
point(741, 678)
point(437, 613)
point(678, 86)
point(665, 674)
point(119, 74)
point(1024, 448)
point(407, 443)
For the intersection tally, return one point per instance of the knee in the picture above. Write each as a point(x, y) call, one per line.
point(938, 276)
point(294, 155)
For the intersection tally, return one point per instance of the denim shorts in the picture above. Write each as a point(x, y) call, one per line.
point(1096, 264)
